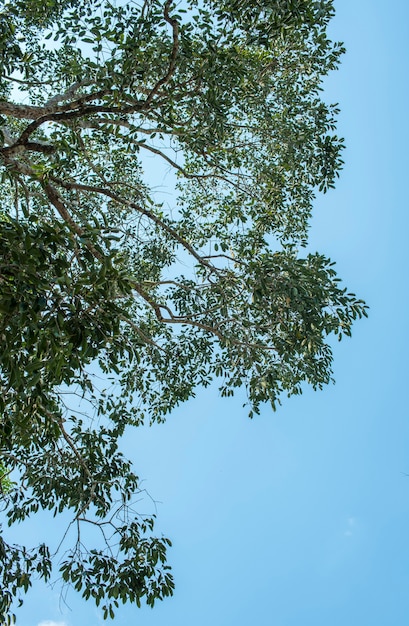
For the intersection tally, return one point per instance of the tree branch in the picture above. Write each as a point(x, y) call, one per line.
point(172, 63)
point(60, 97)
point(111, 194)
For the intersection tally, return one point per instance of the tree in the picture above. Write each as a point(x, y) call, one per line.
point(101, 279)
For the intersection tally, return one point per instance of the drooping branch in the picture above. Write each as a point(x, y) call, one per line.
point(172, 62)
point(143, 211)
point(56, 200)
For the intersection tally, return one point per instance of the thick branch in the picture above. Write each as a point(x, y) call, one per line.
point(20, 111)
point(32, 146)
point(27, 111)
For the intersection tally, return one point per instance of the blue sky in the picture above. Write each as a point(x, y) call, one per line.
point(300, 518)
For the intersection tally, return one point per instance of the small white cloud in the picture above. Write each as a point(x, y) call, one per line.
point(351, 521)
point(50, 622)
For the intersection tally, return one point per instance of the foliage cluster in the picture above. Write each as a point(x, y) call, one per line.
point(99, 280)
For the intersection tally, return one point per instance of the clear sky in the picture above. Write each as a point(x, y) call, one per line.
point(301, 518)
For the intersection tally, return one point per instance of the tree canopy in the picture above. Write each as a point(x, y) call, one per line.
point(115, 304)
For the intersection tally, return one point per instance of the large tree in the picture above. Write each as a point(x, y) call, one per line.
point(116, 304)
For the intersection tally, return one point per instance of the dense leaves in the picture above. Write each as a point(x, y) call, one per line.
point(117, 300)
